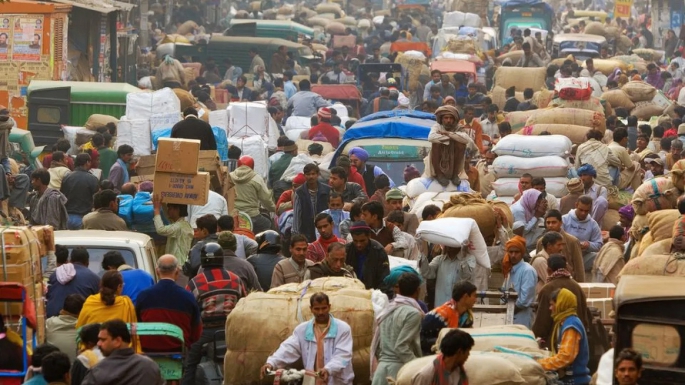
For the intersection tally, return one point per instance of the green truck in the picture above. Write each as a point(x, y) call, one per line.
point(282, 29)
point(52, 104)
point(524, 14)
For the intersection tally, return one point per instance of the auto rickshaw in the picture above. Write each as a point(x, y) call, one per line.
point(581, 46)
point(345, 93)
point(650, 314)
point(15, 293)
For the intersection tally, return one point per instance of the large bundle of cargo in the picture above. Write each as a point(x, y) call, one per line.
point(261, 321)
point(573, 116)
point(577, 134)
point(653, 195)
point(521, 78)
point(472, 205)
point(23, 249)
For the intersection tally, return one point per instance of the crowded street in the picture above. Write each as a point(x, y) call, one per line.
point(374, 192)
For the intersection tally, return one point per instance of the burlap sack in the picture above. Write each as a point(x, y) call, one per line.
point(328, 8)
point(577, 134)
point(318, 21)
point(612, 33)
point(660, 247)
point(504, 207)
point(186, 98)
point(335, 28)
point(96, 121)
point(481, 368)
point(592, 104)
point(187, 28)
point(518, 119)
point(618, 199)
point(639, 91)
point(595, 28)
point(521, 78)
point(286, 9)
point(618, 98)
point(498, 96)
point(624, 44)
point(661, 223)
point(261, 321)
point(653, 195)
point(646, 241)
point(678, 175)
point(645, 110)
point(543, 98)
point(568, 116)
point(608, 109)
point(514, 56)
point(659, 264)
point(607, 66)
point(610, 220)
point(531, 371)
point(472, 206)
point(256, 6)
point(648, 54)
point(639, 227)
point(461, 46)
point(487, 339)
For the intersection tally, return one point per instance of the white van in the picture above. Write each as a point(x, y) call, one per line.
point(138, 249)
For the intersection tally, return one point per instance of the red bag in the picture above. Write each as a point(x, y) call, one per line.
point(573, 89)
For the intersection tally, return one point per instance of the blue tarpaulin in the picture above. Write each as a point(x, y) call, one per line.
point(407, 127)
point(219, 137)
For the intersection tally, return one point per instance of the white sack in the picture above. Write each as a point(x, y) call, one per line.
point(417, 186)
point(255, 147)
point(142, 105)
point(456, 232)
point(295, 135)
point(70, 133)
point(248, 119)
point(341, 110)
point(508, 166)
point(505, 187)
point(297, 123)
point(296, 166)
point(430, 198)
point(135, 133)
point(525, 146)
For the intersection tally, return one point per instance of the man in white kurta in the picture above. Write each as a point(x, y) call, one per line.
point(304, 343)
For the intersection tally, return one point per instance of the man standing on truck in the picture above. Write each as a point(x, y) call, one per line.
point(306, 103)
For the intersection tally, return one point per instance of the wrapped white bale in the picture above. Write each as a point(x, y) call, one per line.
point(261, 321)
point(257, 148)
point(418, 186)
point(533, 147)
point(490, 338)
point(508, 166)
point(510, 186)
point(297, 123)
point(219, 118)
point(485, 368)
point(70, 133)
point(162, 121)
point(456, 232)
point(142, 105)
point(135, 133)
point(248, 119)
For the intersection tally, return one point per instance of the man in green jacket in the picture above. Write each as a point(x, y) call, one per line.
point(279, 166)
point(107, 156)
point(250, 191)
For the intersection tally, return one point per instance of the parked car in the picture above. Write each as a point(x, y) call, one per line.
point(137, 249)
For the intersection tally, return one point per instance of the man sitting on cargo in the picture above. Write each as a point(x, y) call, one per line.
point(324, 344)
point(454, 313)
point(305, 103)
point(529, 58)
point(448, 366)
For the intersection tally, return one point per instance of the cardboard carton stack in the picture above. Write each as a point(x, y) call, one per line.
point(23, 248)
point(176, 176)
point(600, 296)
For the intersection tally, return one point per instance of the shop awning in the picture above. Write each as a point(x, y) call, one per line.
point(101, 6)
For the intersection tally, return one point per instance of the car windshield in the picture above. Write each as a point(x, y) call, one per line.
point(95, 258)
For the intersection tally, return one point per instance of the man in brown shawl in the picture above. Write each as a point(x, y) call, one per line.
point(448, 149)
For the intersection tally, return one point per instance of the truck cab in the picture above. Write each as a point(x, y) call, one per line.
point(524, 14)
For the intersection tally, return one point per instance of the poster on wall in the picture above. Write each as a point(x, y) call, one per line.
point(28, 36)
point(5, 33)
point(622, 8)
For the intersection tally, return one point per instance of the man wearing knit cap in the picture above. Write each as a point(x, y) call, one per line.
point(352, 174)
point(351, 192)
point(278, 167)
point(359, 158)
point(325, 128)
point(448, 148)
point(238, 266)
point(366, 256)
point(575, 190)
point(599, 194)
point(393, 199)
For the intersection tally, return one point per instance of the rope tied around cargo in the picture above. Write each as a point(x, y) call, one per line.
point(671, 266)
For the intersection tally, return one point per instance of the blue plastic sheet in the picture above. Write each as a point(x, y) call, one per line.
point(219, 137)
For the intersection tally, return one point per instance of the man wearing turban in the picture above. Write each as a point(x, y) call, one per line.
point(446, 159)
point(522, 277)
point(599, 194)
point(359, 158)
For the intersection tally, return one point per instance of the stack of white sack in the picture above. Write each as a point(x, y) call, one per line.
point(145, 113)
point(540, 156)
point(250, 129)
point(431, 188)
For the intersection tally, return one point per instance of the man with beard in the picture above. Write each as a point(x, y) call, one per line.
point(333, 265)
point(448, 147)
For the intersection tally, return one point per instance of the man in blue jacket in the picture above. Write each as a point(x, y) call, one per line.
point(135, 280)
point(71, 278)
point(580, 224)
